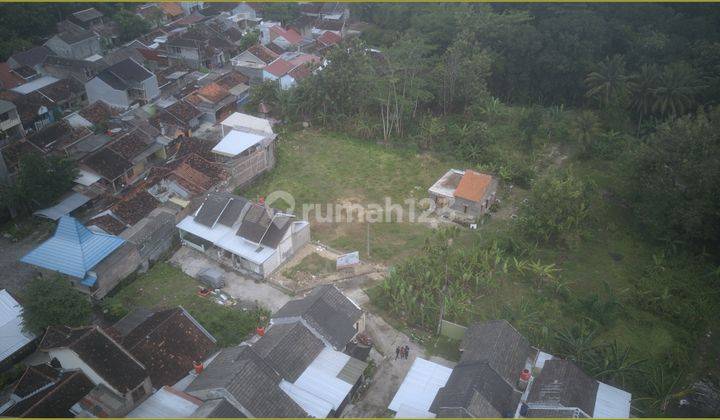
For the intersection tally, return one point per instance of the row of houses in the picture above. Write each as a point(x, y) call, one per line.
point(164, 364)
point(500, 375)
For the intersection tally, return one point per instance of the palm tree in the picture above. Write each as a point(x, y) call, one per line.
point(615, 364)
point(585, 127)
point(609, 82)
point(676, 90)
point(642, 88)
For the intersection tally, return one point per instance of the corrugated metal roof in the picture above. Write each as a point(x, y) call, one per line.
point(313, 405)
point(73, 250)
point(236, 142)
point(12, 336)
point(166, 403)
point(64, 207)
point(611, 403)
point(420, 386)
point(352, 371)
point(320, 378)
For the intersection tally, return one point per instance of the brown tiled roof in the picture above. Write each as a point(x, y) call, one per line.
point(101, 353)
point(232, 79)
point(275, 48)
point(300, 72)
point(329, 25)
point(279, 67)
point(63, 90)
point(329, 38)
point(133, 209)
point(55, 392)
point(193, 176)
point(107, 164)
point(171, 9)
point(186, 146)
point(265, 54)
point(211, 170)
point(131, 144)
point(108, 223)
point(213, 93)
point(97, 112)
point(167, 343)
point(183, 111)
point(57, 135)
point(289, 34)
point(473, 186)
point(27, 105)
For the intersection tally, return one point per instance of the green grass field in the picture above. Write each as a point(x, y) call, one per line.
point(165, 286)
point(322, 168)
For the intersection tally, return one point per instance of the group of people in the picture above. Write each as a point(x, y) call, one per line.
point(402, 352)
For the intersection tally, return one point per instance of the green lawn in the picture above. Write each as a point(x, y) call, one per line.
point(321, 168)
point(165, 286)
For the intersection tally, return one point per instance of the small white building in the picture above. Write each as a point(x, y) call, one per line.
point(418, 389)
point(123, 84)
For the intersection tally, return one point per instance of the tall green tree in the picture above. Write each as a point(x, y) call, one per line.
point(40, 181)
point(53, 302)
point(677, 87)
point(131, 25)
point(609, 82)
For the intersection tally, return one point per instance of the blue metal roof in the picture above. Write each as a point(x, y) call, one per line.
point(73, 250)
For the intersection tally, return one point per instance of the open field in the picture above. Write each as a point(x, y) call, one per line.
point(322, 168)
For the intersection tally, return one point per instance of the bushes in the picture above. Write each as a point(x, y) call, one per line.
point(558, 209)
point(54, 302)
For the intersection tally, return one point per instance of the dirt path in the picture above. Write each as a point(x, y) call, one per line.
point(14, 275)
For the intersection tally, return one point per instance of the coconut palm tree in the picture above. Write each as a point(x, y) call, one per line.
point(609, 82)
point(585, 127)
point(642, 88)
point(675, 93)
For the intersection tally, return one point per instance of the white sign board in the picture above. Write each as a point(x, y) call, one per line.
point(348, 260)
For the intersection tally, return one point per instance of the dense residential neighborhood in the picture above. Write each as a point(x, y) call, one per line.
point(297, 210)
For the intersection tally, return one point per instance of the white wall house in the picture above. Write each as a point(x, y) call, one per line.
point(123, 84)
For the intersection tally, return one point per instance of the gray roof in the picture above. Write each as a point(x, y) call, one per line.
point(327, 311)
point(32, 57)
point(215, 409)
point(500, 345)
point(75, 36)
point(6, 106)
point(289, 348)
point(250, 380)
point(562, 383)
point(212, 208)
point(124, 74)
point(87, 14)
point(232, 211)
point(475, 390)
point(132, 320)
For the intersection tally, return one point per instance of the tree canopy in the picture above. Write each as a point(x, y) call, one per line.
point(53, 302)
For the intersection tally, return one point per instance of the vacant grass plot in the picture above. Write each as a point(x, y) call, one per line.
point(313, 265)
point(165, 286)
point(326, 168)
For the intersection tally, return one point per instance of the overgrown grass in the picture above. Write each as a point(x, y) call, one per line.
point(322, 168)
point(165, 286)
point(313, 264)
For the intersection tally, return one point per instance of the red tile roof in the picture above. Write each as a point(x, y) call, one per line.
point(300, 72)
point(263, 53)
point(108, 223)
point(279, 67)
point(289, 34)
point(171, 9)
point(213, 93)
point(135, 208)
point(8, 79)
point(329, 38)
point(473, 186)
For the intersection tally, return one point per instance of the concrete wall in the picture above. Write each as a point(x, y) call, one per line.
point(152, 90)
point(115, 267)
point(98, 90)
point(243, 169)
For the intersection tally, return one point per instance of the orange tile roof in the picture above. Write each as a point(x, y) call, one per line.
point(473, 186)
point(193, 176)
point(171, 9)
point(213, 92)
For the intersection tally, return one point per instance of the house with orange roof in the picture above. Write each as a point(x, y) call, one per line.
point(464, 195)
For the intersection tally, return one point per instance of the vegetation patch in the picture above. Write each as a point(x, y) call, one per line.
point(312, 265)
point(165, 286)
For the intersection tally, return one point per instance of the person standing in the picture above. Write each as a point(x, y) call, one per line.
point(407, 351)
point(397, 352)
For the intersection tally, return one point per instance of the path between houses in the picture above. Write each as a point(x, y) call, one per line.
point(389, 372)
point(15, 275)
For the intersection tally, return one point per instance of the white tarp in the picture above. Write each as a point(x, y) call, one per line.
point(347, 260)
point(236, 142)
point(64, 207)
point(611, 403)
point(12, 336)
point(420, 386)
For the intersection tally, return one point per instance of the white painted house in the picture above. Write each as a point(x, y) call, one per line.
point(123, 84)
